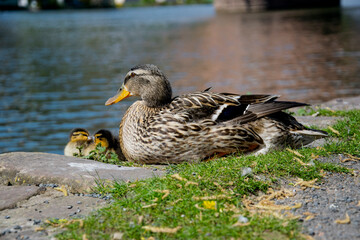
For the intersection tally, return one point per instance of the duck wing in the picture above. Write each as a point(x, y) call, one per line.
point(218, 107)
point(259, 110)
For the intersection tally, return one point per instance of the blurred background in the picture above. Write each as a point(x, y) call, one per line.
point(61, 60)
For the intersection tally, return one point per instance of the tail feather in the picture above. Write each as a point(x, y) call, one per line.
point(306, 136)
point(311, 132)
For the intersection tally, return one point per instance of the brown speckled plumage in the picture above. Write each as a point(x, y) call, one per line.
point(192, 127)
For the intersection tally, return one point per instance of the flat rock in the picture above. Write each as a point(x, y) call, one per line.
point(79, 175)
point(321, 122)
point(25, 221)
point(11, 195)
point(346, 104)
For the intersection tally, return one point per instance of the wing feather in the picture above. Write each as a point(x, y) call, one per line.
point(226, 107)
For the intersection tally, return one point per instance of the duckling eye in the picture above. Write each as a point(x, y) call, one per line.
point(132, 74)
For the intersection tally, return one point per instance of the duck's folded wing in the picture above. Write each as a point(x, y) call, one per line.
point(256, 111)
point(217, 107)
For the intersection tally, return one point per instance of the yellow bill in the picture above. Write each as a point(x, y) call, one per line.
point(122, 94)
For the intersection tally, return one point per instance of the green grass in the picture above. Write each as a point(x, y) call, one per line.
point(101, 154)
point(142, 203)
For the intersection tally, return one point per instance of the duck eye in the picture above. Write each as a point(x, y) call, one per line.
point(132, 74)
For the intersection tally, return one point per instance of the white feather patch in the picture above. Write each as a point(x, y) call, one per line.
point(217, 113)
point(139, 71)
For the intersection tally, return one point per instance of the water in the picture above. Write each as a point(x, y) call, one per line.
point(57, 68)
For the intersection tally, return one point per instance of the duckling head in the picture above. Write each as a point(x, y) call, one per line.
point(80, 135)
point(104, 138)
point(147, 82)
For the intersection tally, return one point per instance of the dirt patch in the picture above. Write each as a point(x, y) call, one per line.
point(337, 197)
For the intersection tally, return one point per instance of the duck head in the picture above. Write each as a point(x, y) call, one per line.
point(104, 138)
point(80, 135)
point(147, 82)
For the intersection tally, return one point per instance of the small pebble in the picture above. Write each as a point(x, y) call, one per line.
point(79, 202)
point(311, 232)
point(6, 231)
point(36, 222)
point(69, 207)
point(117, 236)
point(46, 201)
point(333, 208)
point(155, 169)
point(246, 171)
point(107, 197)
point(7, 217)
point(78, 210)
point(243, 219)
point(17, 227)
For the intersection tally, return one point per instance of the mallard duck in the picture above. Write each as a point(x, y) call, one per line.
point(161, 129)
point(80, 140)
point(106, 139)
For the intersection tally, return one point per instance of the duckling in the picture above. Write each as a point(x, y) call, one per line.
point(106, 139)
point(161, 129)
point(80, 140)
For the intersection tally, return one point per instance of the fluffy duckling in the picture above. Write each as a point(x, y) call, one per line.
point(80, 140)
point(162, 129)
point(106, 139)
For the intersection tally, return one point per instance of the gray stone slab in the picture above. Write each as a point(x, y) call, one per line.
point(79, 175)
point(321, 122)
point(29, 215)
point(11, 195)
point(342, 103)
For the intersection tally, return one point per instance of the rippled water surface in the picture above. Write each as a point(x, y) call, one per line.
point(57, 68)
